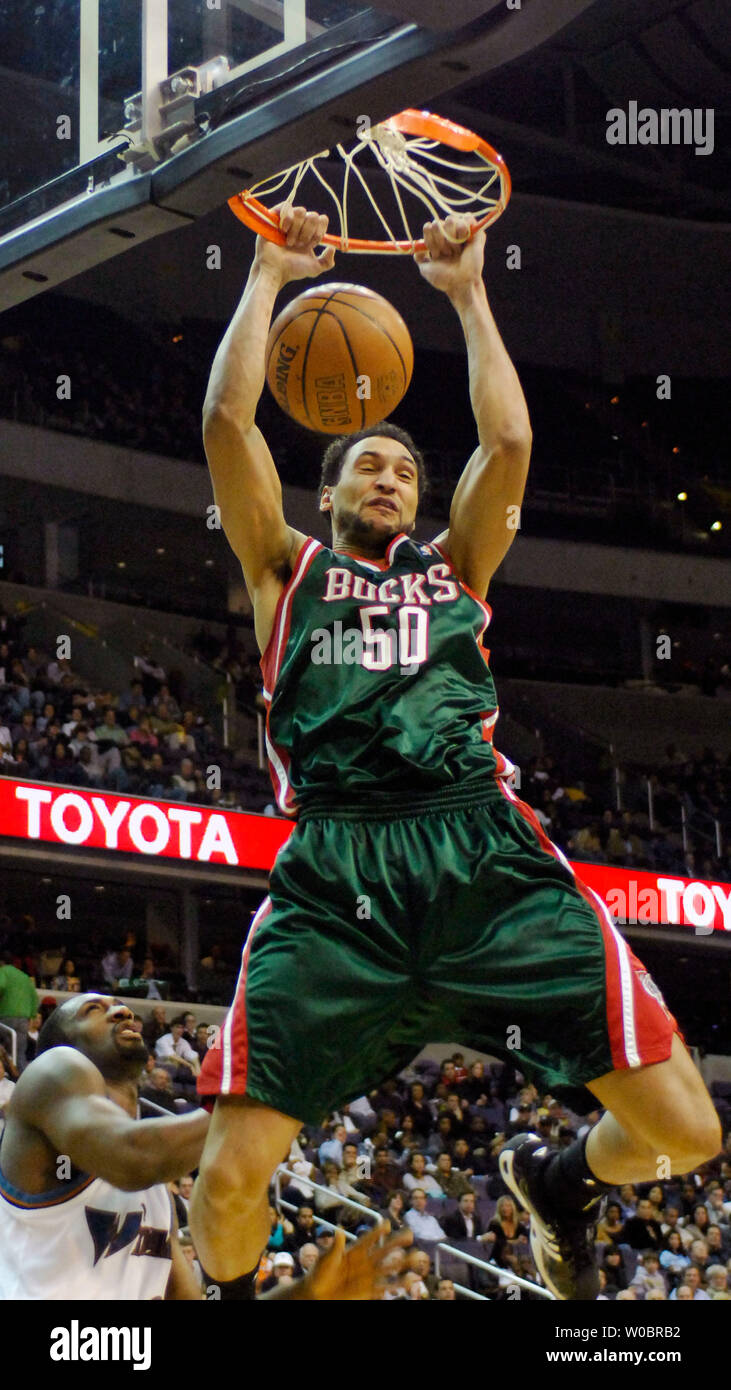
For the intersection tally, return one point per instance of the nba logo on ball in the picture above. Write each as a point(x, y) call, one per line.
point(322, 347)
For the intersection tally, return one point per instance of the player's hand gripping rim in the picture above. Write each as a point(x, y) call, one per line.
point(454, 256)
point(298, 259)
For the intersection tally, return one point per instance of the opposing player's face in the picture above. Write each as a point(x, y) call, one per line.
point(377, 493)
point(103, 1028)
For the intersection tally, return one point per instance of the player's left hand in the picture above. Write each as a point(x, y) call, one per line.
point(353, 1273)
point(453, 260)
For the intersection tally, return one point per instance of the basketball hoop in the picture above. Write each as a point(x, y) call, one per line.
point(414, 160)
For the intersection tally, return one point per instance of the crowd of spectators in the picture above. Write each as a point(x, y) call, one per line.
point(158, 416)
point(84, 956)
point(574, 814)
point(235, 658)
point(146, 740)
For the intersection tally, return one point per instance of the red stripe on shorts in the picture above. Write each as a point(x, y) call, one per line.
point(639, 1023)
point(224, 1068)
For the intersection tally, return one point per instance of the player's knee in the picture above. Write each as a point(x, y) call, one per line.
point(688, 1135)
point(701, 1137)
point(228, 1179)
point(694, 1137)
point(228, 1184)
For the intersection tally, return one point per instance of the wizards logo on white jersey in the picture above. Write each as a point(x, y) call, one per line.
point(111, 1234)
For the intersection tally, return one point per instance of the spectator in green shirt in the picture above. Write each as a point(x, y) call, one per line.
point(109, 731)
point(18, 1004)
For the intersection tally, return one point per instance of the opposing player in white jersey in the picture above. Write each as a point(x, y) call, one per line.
point(84, 1210)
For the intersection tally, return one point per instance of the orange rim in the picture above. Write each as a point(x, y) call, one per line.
point(265, 222)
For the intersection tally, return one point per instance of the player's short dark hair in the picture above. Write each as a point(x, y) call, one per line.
point(334, 456)
point(53, 1032)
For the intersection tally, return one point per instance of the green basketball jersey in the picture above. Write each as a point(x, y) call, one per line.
point(376, 680)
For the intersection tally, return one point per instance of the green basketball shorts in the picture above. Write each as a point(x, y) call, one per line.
point(448, 918)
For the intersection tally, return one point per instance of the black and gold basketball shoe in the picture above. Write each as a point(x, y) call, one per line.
point(562, 1243)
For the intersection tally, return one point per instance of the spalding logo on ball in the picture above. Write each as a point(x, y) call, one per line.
point(339, 358)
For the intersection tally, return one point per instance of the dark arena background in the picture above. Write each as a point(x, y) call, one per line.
point(138, 822)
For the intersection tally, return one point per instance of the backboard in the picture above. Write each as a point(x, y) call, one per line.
point(96, 93)
point(71, 70)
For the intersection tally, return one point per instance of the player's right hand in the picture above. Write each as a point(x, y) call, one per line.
point(298, 259)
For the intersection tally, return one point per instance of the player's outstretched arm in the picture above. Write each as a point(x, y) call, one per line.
point(63, 1095)
point(246, 486)
point(485, 511)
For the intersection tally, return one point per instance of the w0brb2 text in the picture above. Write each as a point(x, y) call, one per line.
point(585, 1334)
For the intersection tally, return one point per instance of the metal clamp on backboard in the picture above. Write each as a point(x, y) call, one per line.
point(179, 127)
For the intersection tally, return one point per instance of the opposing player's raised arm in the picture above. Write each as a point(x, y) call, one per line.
point(485, 511)
point(64, 1097)
point(246, 486)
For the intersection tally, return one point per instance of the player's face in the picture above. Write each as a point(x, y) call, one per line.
point(377, 492)
point(103, 1028)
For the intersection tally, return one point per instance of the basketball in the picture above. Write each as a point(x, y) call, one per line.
point(339, 358)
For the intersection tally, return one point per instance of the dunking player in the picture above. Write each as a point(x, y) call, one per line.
point(417, 897)
point(84, 1211)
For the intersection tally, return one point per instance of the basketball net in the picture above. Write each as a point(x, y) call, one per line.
point(429, 163)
